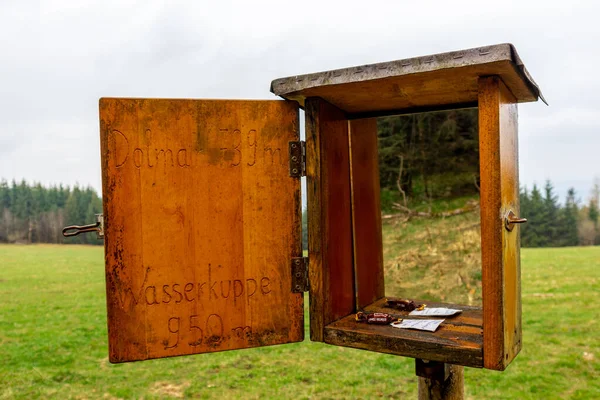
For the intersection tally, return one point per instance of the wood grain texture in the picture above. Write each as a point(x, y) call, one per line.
point(501, 274)
point(201, 221)
point(444, 80)
point(329, 216)
point(316, 276)
point(366, 212)
point(458, 340)
point(405, 93)
point(452, 388)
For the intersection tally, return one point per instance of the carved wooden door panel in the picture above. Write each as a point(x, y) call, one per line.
point(201, 220)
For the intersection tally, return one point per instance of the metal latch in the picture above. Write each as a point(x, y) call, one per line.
point(510, 219)
point(297, 153)
point(75, 230)
point(299, 274)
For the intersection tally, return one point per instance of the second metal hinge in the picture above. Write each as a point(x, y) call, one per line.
point(297, 153)
point(300, 274)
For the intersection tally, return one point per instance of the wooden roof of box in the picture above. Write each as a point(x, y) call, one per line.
point(439, 81)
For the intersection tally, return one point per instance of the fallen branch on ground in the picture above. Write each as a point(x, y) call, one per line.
point(469, 207)
point(394, 216)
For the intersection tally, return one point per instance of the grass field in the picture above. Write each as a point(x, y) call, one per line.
point(435, 258)
point(53, 342)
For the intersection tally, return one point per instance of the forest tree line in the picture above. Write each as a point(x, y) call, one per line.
point(426, 161)
point(37, 214)
point(552, 224)
point(429, 156)
point(429, 160)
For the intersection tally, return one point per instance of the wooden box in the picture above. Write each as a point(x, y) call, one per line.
point(202, 212)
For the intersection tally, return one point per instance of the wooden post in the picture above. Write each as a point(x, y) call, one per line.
point(500, 247)
point(331, 272)
point(440, 381)
point(366, 212)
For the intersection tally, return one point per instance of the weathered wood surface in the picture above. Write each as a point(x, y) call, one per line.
point(437, 81)
point(458, 340)
point(201, 221)
point(501, 272)
point(453, 388)
point(332, 292)
point(366, 212)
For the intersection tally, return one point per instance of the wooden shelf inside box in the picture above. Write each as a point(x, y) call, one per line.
point(458, 340)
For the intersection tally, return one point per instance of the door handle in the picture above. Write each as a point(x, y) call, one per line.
point(511, 219)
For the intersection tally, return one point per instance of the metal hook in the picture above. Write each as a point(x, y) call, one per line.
point(511, 219)
point(98, 227)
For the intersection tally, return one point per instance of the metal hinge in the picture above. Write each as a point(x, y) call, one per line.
point(97, 227)
point(300, 274)
point(297, 152)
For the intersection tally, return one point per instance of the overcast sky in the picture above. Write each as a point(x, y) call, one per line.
point(58, 58)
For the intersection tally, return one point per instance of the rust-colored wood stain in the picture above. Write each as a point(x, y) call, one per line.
point(201, 222)
point(501, 285)
point(366, 212)
point(458, 340)
point(331, 271)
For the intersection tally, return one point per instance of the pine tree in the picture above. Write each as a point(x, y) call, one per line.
point(551, 210)
point(593, 216)
point(525, 210)
point(4, 194)
point(536, 220)
point(593, 212)
point(568, 218)
point(74, 215)
point(63, 196)
point(5, 215)
point(52, 198)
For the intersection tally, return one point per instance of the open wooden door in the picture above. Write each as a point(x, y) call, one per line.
point(201, 222)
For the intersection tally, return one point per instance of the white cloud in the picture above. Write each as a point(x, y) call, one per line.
point(59, 57)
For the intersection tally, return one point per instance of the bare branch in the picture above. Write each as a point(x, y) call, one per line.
point(399, 181)
point(475, 182)
point(395, 216)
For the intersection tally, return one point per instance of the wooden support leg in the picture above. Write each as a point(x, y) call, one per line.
point(440, 381)
point(330, 246)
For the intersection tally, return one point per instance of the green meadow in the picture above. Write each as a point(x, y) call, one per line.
point(53, 341)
